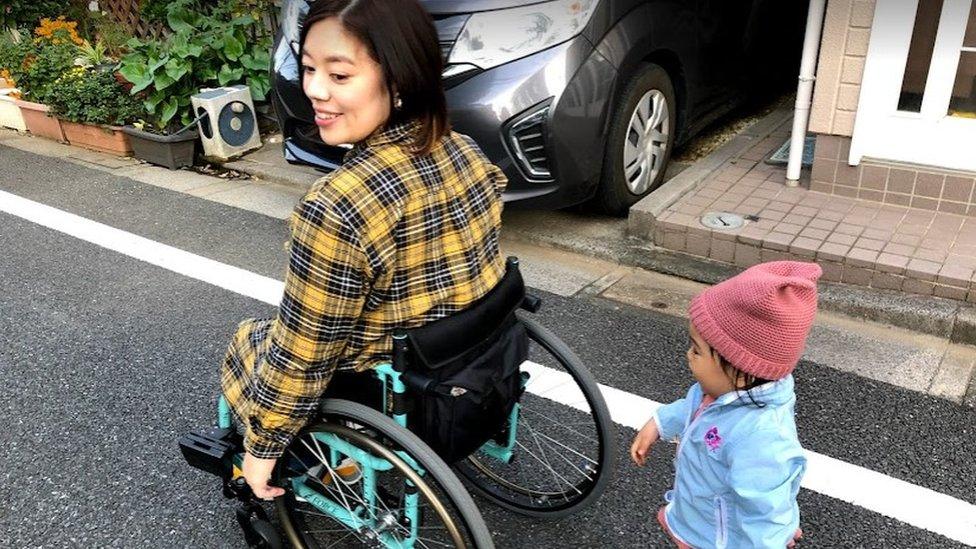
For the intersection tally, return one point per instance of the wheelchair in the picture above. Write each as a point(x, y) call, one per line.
point(486, 400)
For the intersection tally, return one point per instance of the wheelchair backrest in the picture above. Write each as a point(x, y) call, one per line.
point(444, 341)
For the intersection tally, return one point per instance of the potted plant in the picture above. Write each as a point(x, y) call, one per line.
point(35, 65)
point(203, 50)
point(93, 105)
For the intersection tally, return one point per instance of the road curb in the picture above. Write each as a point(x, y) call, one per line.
point(643, 215)
point(283, 175)
point(936, 316)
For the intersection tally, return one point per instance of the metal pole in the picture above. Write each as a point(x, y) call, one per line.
point(804, 91)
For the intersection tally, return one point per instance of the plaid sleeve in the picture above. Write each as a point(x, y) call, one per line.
point(499, 178)
point(323, 299)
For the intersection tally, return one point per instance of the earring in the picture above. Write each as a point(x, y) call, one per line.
point(397, 102)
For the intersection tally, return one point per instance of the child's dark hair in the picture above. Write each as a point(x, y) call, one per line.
point(747, 380)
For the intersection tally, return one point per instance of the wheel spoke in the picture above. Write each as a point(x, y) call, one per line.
point(631, 153)
point(660, 107)
point(544, 462)
point(340, 540)
point(634, 170)
point(557, 423)
point(555, 442)
point(645, 109)
point(657, 154)
point(551, 443)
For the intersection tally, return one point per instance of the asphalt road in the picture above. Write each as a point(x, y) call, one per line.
point(107, 360)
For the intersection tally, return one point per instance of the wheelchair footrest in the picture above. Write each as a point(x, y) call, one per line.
point(211, 450)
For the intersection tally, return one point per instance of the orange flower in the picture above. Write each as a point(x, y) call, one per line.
point(57, 31)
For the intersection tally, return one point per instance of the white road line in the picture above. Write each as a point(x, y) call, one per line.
point(179, 261)
point(909, 503)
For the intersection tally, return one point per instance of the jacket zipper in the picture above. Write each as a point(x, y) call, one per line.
point(720, 533)
point(681, 443)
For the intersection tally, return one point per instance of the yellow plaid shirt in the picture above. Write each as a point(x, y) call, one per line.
point(388, 240)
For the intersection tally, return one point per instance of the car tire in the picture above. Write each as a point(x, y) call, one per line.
point(635, 164)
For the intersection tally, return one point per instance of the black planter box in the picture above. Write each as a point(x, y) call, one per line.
point(171, 151)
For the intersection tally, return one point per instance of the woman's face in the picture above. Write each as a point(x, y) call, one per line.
point(346, 86)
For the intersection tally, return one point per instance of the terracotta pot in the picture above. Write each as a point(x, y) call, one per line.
point(39, 121)
point(109, 139)
point(10, 116)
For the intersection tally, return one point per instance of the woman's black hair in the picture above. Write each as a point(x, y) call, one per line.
point(400, 36)
point(747, 381)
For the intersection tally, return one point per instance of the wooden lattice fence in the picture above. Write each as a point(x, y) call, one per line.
point(126, 12)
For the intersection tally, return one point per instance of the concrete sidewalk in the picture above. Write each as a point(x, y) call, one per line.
point(857, 242)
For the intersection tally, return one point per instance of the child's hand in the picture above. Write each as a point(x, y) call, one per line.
point(645, 438)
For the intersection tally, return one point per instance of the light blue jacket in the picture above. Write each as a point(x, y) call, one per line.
point(738, 468)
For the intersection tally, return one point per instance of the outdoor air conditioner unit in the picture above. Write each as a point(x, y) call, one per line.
point(228, 125)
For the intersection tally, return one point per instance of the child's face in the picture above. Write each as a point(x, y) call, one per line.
point(706, 366)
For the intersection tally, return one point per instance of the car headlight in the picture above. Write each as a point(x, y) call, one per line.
point(494, 38)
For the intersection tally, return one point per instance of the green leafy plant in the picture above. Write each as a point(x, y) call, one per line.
point(92, 97)
point(155, 10)
point(29, 12)
point(36, 65)
point(93, 54)
point(112, 34)
point(204, 50)
point(12, 49)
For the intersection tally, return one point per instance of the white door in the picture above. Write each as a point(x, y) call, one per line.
point(918, 94)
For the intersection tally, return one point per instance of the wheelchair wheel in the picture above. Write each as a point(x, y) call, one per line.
point(391, 505)
point(562, 455)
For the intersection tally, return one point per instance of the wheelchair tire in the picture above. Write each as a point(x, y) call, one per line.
point(378, 434)
point(500, 488)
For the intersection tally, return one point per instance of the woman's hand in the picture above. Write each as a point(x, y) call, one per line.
point(257, 473)
point(645, 438)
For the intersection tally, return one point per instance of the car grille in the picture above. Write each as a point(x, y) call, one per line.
point(531, 141)
point(527, 138)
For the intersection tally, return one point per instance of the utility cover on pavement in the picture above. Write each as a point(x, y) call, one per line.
point(722, 220)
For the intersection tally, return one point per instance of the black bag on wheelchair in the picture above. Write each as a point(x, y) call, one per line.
point(463, 371)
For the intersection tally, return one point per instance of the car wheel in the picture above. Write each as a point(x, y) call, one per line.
point(641, 138)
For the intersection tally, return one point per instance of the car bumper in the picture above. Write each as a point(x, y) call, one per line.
point(573, 81)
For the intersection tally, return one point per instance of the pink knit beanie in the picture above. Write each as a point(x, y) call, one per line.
point(759, 319)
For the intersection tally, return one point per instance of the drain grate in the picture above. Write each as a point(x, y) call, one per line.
point(782, 154)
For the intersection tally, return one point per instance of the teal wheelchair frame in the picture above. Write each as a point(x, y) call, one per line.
point(393, 389)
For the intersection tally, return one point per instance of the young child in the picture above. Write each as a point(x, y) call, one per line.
point(739, 463)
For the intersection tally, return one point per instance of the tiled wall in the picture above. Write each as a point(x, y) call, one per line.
point(847, 30)
point(888, 182)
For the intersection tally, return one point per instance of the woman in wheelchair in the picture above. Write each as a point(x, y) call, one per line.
point(399, 308)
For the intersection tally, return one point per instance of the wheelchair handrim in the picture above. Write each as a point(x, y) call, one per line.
point(373, 445)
